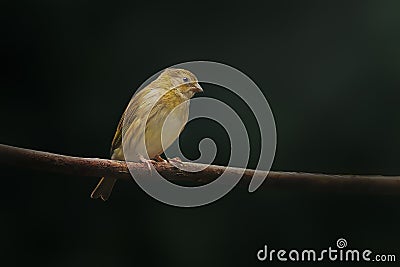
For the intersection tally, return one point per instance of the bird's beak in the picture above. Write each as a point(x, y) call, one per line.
point(196, 88)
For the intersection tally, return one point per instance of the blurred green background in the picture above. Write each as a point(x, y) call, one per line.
point(329, 69)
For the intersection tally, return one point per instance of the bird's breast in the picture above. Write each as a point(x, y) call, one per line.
point(164, 128)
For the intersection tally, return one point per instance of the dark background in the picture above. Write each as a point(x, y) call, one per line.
point(330, 71)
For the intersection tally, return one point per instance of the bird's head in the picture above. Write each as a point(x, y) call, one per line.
point(181, 80)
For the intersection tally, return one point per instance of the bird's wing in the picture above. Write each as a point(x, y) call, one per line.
point(117, 140)
point(140, 105)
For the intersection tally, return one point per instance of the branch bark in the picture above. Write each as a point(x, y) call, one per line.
point(93, 167)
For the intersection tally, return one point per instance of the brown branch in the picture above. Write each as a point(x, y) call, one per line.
point(93, 167)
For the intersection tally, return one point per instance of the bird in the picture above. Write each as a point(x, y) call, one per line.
point(141, 131)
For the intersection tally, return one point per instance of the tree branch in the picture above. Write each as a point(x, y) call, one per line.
point(93, 167)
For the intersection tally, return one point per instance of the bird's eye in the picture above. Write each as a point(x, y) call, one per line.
point(185, 79)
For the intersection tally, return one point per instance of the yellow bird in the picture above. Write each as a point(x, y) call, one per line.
point(159, 100)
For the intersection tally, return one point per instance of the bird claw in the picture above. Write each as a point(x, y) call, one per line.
point(148, 162)
point(158, 158)
point(176, 161)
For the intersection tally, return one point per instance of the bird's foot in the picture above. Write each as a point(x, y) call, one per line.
point(176, 161)
point(158, 158)
point(148, 162)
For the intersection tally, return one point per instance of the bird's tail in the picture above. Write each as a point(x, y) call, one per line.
point(103, 188)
